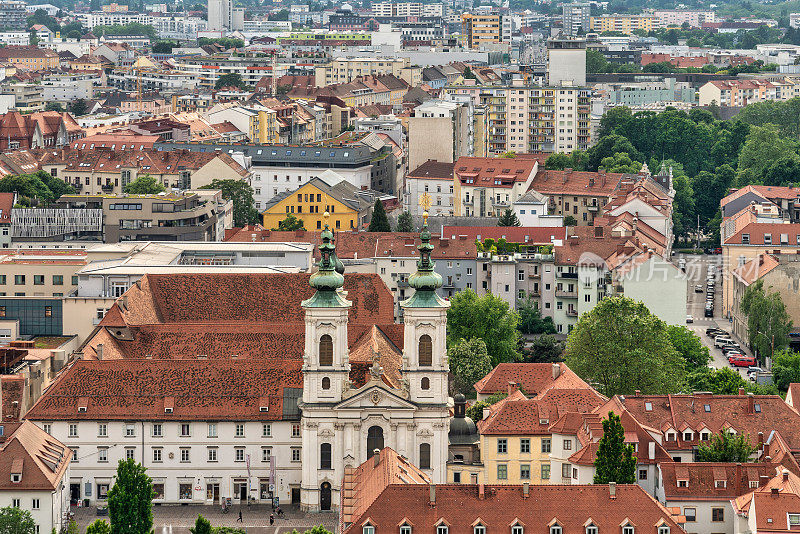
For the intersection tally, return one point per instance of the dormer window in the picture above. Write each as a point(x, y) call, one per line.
point(368, 529)
point(688, 435)
point(16, 478)
point(683, 483)
point(707, 407)
point(405, 528)
point(555, 529)
point(719, 484)
point(704, 436)
point(663, 529)
point(591, 529)
point(442, 529)
point(517, 529)
point(479, 529)
point(628, 529)
point(671, 436)
point(648, 406)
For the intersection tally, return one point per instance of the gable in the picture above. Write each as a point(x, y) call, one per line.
point(374, 396)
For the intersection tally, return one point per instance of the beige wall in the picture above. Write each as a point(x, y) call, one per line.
point(215, 168)
point(31, 270)
point(81, 315)
point(430, 138)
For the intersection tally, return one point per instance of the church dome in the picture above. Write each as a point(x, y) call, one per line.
point(462, 429)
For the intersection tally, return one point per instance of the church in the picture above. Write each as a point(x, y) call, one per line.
point(402, 404)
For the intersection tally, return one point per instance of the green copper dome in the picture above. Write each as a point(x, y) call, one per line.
point(425, 281)
point(328, 279)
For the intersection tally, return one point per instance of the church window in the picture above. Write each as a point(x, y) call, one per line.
point(325, 456)
point(425, 350)
point(424, 455)
point(326, 350)
point(326, 383)
point(374, 440)
point(426, 383)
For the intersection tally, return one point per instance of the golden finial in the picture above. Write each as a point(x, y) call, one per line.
point(326, 216)
point(425, 201)
point(425, 218)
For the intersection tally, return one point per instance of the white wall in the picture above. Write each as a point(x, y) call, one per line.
point(270, 181)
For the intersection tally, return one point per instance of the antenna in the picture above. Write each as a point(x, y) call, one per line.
point(274, 78)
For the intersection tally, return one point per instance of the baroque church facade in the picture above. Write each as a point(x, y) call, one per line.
point(402, 404)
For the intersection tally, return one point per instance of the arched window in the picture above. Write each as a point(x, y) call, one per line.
point(326, 350)
point(425, 350)
point(325, 456)
point(425, 383)
point(424, 455)
point(326, 383)
point(374, 440)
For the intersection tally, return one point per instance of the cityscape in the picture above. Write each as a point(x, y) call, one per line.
point(361, 267)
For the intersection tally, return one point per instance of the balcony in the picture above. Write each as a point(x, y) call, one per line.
point(566, 294)
point(534, 275)
point(593, 208)
point(107, 187)
point(568, 275)
point(572, 313)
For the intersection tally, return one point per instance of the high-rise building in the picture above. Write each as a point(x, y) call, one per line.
point(566, 62)
point(575, 18)
point(222, 15)
point(481, 29)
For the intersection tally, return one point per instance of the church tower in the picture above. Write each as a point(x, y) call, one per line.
point(425, 317)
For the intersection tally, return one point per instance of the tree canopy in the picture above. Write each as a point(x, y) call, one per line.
point(379, 221)
point(489, 318)
point(615, 461)
point(689, 346)
point(244, 211)
point(35, 189)
point(14, 520)
point(469, 362)
point(100, 526)
point(531, 320)
point(768, 322)
point(508, 218)
point(232, 79)
point(144, 184)
point(405, 223)
point(621, 347)
point(130, 499)
point(290, 223)
point(726, 447)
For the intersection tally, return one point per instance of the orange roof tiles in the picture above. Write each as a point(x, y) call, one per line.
point(569, 182)
point(29, 451)
point(494, 172)
point(533, 378)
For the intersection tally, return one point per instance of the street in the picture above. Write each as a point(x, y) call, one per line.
point(696, 272)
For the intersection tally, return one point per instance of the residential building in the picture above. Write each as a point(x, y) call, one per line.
point(13, 14)
point(575, 18)
point(482, 29)
point(347, 69)
point(566, 66)
point(485, 187)
point(25, 97)
point(579, 194)
point(435, 180)
point(739, 93)
point(533, 379)
point(626, 24)
point(406, 9)
point(531, 210)
point(28, 57)
point(45, 129)
point(38, 273)
point(34, 474)
point(387, 494)
point(257, 121)
point(772, 507)
point(677, 17)
point(328, 199)
point(223, 15)
point(441, 131)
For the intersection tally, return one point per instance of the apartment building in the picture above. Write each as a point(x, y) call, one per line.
point(347, 69)
point(677, 17)
point(482, 29)
point(526, 119)
point(580, 194)
point(485, 187)
point(575, 18)
point(223, 15)
point(440, 130)
point(13, 14)
point(38, 273)
point(627, 24)
point(407, 9)
point(739, 93)
point(259, 122)
point(435, 180)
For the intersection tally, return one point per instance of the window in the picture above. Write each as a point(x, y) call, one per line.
point(48, 428)
point(48, 311)
point(502, 445)
point(212, 454)
point(58, 280)
point(441, 529)
point(34, 504)
point(720, 483)
point(718, 514)
point(266, 430)
point(794, 520)
point(683, 483)
point(567, 444)
point(326, 350)
point(158, 430)
point(424, 455)
point(691, 514)
point(130, 430)
point(545, 471)
point(479, 529)
point(688, 435)
point(185, 455)
point(525, 471)
point(368, 529)
point(212, 430)
point(566, 471)
point(296, 430)
point(296, 454)
point(405, 529)
point(627, 529)
point(326, 383)
point(555, 529)
point(239, 454)
point(325, 456)
point(545, 444)
point(663, 529)
point(185, 430)
point(502, 472)
point(19, 279)
point(266, 452)
point(102, 454)
point(425, 350)
point(425, 383)
point(15, 503)
point(517, 529)
point(73, 430)
point(102, 430)
point(525, 445)
point(239, 432)
point(38, 279)
point(591, 529)
point(156, 455)
point(642, 474)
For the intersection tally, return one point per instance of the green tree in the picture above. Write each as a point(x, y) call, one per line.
point(557, 161)
point(100, 526)
point(596, 62)
point(232, 79)
point(768, 322)
point(718, 381)
point(614, 120)
point(621, 347)
point(508, 218)
point(244, 211)
point(783, 172)
point(469, 362)
point(475, 410)
point(622, 163)
point(379, 221)
point(764, 146)
point(201, 526)
point(489, 318)
point(33, 39)
point(290, 223)
point(615, 461)
point(54, 106)
point(531, 320)
point(405, 223)
point(569, 220)
point(14, 520)
point(144, 184)
point(283, 14)
point(726, 447)
point(786, 368)
point(689, 346)
point(32, 188)
point(130, 500)
point(164, 47)
point(78, 107)
point(544, 349)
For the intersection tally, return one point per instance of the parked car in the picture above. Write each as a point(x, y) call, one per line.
point(714, 332)
point(754, 370)
point(689, 319)
point(721, 340)
point(709, 312)
point(728, 347)
point(743, 361)
point(698, 289)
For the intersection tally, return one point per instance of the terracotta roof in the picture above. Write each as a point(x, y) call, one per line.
point(6, 205)
point(533, 378)
point(433, 169)
point(251, 389)
point(756, 232)
point(12, 395)
point(25, 52)
point(569, 182)
point(130, 141)
point(489, 171)
point(771, 504)
point(460, 506)
point(596, 250)
point(512, 234)
point(712, 481)
point(29, 451)
point(754, 269)
point(746, 414)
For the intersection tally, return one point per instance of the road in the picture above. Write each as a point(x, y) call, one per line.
point(696, 272)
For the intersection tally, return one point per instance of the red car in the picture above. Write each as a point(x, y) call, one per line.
point(743, 361)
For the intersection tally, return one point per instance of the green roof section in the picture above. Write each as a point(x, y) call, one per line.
point(425, 281)
point(328, 280)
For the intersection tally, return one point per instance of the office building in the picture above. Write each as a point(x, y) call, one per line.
point(482, 29)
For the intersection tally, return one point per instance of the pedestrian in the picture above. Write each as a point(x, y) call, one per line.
point(271, 519)
point(240, 517)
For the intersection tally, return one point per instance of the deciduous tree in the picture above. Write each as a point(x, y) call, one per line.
point(290, 223)
point(768, 322)
point(469, 362)
point(726, 447)
point(144, 185)
point(689, 346)
point(489, 318)
point(14, 520)
point(130, 500)
point(615, 461)
point(100, 526)
point(244, 211)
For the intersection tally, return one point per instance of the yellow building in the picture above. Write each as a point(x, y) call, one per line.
point(627, 24)
point(310, 201)
point(482, 29)
point(29, 57)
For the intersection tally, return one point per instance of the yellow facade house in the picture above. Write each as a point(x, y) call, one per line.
point(310, 201)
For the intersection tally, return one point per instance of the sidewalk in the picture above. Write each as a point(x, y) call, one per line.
point(177, 519)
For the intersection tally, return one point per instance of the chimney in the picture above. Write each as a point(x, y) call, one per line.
point(751, 403)
point(785, 474)
point(556, 371)
point(738, 478)
point(612, 490)
point(433, 494)
point(775, 492)
point(651, 450)
point(481, 491)
point(637, 392)
point(761, 441)
point(512, 387)
point(100, 351)
point(741, 391)
point(526, 490)
point(376, 457)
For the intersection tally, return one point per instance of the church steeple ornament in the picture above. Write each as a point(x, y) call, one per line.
point(328, 280)
point(425, 281)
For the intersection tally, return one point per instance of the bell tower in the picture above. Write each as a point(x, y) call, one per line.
point(326, 365)
point(425, 317)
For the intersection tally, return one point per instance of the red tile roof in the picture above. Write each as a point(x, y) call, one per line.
point(770, 505)
point(756, 232)
point(512, 234)
point(533, 378)
point(712, 481)
point(433, 169)
point(130, 141)
point(488, 171)
point(6, 204)
point(27, 450)
point(569, 182)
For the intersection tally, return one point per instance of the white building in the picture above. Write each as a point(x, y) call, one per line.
point(531, 209)
point(407, 9)
point(222, 15)
point(36, 468)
